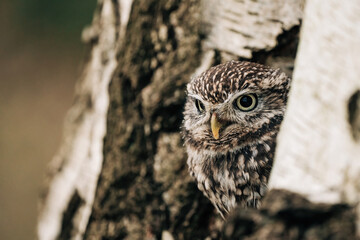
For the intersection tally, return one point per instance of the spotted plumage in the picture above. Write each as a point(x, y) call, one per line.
point(231, 119)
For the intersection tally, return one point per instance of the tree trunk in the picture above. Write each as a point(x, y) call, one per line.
point(319, 145)
point(121, 171)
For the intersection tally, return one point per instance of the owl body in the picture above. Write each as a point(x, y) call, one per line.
point(232, 116)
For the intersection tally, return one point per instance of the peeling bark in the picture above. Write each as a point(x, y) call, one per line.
point(239, 28)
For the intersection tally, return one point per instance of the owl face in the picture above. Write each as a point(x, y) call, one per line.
point(233, 105)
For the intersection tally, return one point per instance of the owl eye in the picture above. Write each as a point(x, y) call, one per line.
point(199, 105)
point(246, 102)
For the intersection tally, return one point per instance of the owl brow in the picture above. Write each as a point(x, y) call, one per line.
point(236, 95)
point(196, 97)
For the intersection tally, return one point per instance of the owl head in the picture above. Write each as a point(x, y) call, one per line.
point(233, 105)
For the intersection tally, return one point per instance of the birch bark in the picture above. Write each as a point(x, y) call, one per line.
point(318, 146)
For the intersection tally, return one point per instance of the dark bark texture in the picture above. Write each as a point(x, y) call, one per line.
point(286, 215)
point(144, 189)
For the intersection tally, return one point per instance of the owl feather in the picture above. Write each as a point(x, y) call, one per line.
point(232, 116)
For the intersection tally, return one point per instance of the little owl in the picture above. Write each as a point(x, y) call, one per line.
point(231, 119)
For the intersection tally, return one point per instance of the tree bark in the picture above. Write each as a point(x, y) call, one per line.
point(319, 146)
point(121, 171)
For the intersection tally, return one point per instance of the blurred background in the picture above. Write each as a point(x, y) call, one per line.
point(40, 60)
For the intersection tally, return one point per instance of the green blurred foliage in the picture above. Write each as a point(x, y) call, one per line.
point(61, 19)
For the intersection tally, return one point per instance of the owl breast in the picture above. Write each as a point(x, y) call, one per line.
point(235, 177)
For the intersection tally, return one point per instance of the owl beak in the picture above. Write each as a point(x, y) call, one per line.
point(215, 126)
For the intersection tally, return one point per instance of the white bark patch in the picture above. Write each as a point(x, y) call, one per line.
point(317, 155)
point(77, 165)
point(241, 27)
